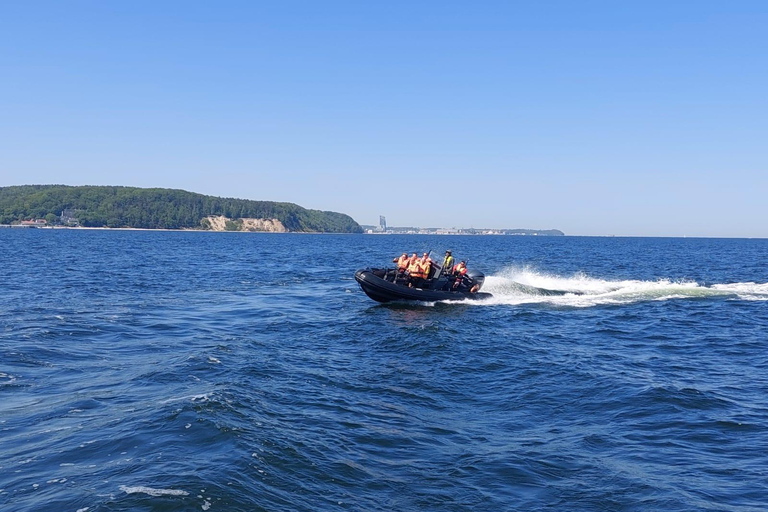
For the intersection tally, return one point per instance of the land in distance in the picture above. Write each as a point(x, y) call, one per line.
point(454, 231)
point(158, 208)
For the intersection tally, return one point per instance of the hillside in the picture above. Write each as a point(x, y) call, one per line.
point(157, 208)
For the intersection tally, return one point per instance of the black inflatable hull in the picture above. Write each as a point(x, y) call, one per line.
point(381, 290)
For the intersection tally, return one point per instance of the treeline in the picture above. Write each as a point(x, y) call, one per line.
point(155, 208)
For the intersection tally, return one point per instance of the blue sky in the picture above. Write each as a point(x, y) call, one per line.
point(593, 117)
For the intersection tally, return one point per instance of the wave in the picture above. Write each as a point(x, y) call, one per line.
point(516, 285)
point(152, 491)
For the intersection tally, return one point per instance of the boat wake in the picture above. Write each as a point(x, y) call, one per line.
point(517, 285)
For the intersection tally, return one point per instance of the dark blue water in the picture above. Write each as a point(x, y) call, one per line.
point(244, 372)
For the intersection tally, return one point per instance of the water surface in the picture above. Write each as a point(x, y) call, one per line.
point(235, 371)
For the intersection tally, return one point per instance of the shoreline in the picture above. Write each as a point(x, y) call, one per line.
point(179, 230)
point(183, 230)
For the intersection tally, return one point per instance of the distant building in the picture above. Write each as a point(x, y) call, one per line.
point(36, 223)
point(69, 218)
point(382, 223)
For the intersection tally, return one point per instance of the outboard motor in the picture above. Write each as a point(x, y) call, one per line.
point(477, 276)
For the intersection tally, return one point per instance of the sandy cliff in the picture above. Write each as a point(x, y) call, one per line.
point(219, 223)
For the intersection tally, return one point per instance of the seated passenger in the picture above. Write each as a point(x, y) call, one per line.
point(402, 264)
point(462, 280)
point(425, 264)
point(414, 270)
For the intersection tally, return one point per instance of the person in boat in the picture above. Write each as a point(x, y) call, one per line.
point(402, 264)
point(447, 266)
point(426, 265)
point(462, 280)
point(414, 270)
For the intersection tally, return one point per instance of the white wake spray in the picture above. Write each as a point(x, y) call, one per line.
point(524, 285)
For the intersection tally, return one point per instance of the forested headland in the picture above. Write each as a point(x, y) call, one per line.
point(155, 208)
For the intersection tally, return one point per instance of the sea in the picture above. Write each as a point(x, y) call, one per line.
point(183, 371)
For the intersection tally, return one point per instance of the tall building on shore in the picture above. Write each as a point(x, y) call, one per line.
point(382, 223)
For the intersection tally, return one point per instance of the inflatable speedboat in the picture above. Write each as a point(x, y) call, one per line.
point(386, 285)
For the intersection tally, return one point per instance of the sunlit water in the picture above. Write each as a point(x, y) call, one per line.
point(244, 372)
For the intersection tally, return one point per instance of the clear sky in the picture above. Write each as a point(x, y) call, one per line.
point(593, 117)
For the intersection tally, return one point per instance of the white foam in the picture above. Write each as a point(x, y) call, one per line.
point(746, 291)
point(153, 492)
point(193, 398)
point(525, 285)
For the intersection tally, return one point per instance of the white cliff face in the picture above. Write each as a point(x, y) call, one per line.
point(271, 225)
point(219, 223)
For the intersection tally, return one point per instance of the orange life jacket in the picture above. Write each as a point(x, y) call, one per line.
point(402, 263)
point(424, 265)
point(414, 268)
point(460, 269)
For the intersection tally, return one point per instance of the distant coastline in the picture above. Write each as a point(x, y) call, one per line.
point(394, 231)
point(379, 230)
point(174, 230)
